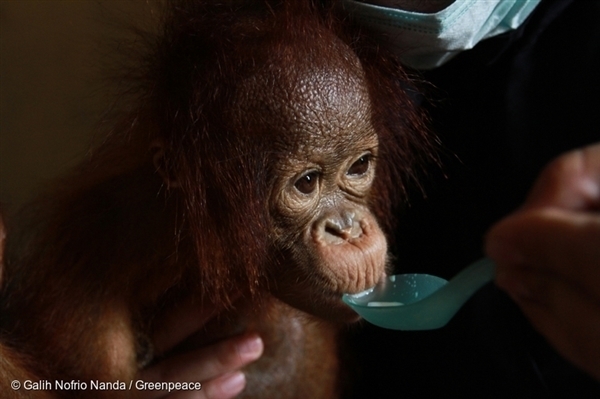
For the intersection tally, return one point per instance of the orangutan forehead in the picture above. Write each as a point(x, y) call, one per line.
point(315, 103)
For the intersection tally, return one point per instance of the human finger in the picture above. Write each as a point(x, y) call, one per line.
point(214, 366)
point(556, 241)
point(572, 181)
point(224, 387)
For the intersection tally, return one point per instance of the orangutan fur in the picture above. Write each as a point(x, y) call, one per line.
point(263, 156)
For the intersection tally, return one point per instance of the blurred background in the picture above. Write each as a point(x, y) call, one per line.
point(53, 86)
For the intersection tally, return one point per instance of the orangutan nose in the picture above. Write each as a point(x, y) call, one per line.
point(339, 227)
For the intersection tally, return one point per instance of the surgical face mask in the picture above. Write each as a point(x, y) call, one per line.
point(426, 41)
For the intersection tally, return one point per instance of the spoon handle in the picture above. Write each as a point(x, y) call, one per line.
point(472, 278)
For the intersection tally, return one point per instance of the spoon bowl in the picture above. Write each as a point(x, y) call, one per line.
point(419, 301)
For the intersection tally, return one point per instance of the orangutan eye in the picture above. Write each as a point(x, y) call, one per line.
point(307, 183)
point(361, 166)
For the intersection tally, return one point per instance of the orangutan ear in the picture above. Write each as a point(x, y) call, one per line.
point(162, 167)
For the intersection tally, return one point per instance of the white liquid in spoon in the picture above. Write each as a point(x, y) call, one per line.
point(382, 304)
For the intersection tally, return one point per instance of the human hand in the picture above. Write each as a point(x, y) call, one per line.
point(548, 256)
point(216, 366)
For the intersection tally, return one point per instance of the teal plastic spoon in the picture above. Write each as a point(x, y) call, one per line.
point(419, 301)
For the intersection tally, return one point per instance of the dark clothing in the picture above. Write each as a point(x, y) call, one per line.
point(502, 111)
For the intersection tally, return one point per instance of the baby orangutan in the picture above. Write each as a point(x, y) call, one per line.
point(263, 155)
